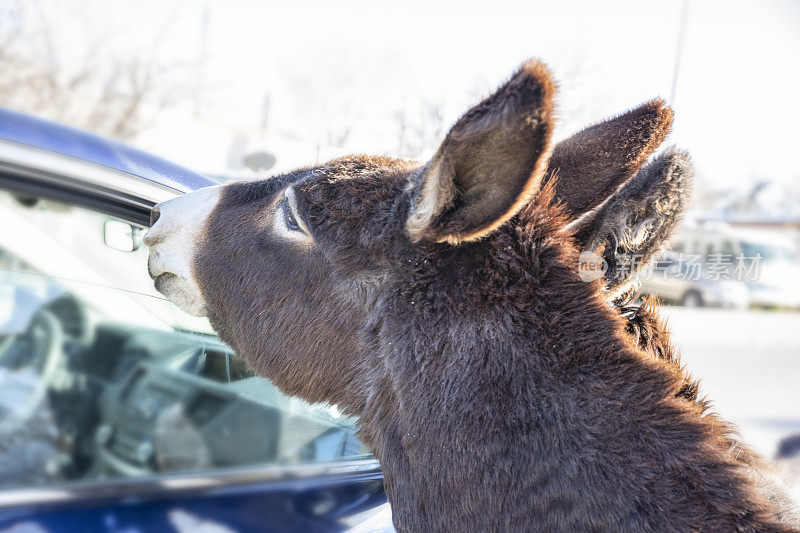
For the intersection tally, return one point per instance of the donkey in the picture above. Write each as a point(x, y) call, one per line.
point(443, 305)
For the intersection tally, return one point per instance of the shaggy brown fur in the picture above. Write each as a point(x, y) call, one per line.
point(652, 336)
point(442, 304)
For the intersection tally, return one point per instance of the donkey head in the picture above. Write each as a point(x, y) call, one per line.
point(294, 271)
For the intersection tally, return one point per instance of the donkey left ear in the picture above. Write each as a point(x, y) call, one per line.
point(489, 164)
point(638, 221)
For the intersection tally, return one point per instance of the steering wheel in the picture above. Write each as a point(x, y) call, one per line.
point(39, 347)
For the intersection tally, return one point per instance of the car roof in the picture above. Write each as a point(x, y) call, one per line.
point(47, 135)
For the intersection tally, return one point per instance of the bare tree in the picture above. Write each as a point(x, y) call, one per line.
point(89, 84)
point(420, 127)
point(326, 102)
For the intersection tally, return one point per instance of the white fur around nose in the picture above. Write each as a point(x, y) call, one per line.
point(173, 240)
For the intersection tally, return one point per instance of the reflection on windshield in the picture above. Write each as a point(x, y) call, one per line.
point(67, 244)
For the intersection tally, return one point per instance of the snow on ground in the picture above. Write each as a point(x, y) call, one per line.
point(749, 364)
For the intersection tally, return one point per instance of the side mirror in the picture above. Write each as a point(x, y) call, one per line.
point(122, 236)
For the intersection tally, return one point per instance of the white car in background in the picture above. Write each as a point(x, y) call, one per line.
point(767, 262)
point(671, 280)
point(722, 266)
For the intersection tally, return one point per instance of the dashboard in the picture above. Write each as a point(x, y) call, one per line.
point(129, 401)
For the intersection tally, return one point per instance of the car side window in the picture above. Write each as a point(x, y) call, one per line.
point(101, 378)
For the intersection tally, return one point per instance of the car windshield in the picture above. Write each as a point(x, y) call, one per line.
point(101, 377)
point(68, 244)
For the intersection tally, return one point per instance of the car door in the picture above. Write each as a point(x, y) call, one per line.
point(119, 412)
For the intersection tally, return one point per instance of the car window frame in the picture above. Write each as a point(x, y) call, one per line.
point(29, 170)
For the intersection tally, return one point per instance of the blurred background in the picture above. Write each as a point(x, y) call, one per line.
point(240, 89)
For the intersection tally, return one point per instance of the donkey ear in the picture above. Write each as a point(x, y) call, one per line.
point(637, 222)
point(489, 164)
point(593, 163)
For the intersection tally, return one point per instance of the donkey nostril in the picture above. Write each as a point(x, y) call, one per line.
point(154, 214)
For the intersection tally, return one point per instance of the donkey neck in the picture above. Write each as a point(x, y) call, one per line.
point(543, 393)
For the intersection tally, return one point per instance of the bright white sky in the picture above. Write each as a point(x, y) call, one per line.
point(737, 92)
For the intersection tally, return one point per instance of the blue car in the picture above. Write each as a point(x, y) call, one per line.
point(117, 411)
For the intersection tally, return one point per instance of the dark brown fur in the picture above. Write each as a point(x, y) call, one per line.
point(610, 152)
point(652, 335)
point(499, 391)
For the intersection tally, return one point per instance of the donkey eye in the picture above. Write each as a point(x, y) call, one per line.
point(288, 216)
